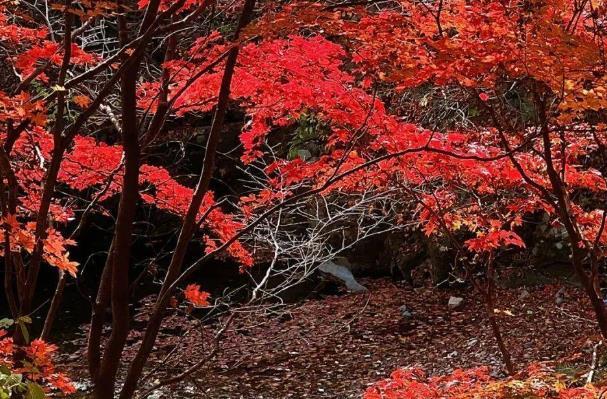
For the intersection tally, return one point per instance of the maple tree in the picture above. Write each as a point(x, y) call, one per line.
point(327, 65)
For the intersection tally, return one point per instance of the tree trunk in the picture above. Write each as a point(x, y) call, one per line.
point(190, 220)
point(55, 305)
point(118, 261)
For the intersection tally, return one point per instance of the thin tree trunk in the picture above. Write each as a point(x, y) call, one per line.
point(102, 302)
point(55, 305)
point(117, 264)
point(190, 220)
point(497, 334)
point(31, 280)
point(495, 327)
point(9, 208)
point(119, 257)
point(486, 292)
point(8, 203)
point(50, 180)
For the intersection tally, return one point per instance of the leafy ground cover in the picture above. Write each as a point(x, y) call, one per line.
point(337, 346)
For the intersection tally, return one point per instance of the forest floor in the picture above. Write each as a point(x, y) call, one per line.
point(337, 346)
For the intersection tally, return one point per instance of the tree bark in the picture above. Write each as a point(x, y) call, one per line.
point(190, 220)
point(50, 180)
point(493, 321)
point(55, 305)
point(119, 258)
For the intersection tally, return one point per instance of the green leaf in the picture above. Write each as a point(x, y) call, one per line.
point(13, 380)
point(24, 332)
point(6, 323)
point(34, 391)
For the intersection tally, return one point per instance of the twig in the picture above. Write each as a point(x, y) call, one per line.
point(594, 362)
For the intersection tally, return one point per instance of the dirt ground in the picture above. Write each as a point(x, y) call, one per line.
point(337, 346)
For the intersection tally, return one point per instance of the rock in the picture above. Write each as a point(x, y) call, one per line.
point(524, 295)
point(343, 274)
point(455, 302)
point(405, 312)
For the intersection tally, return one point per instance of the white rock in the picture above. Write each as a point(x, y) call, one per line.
point(455, 302)
point(344, 274)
